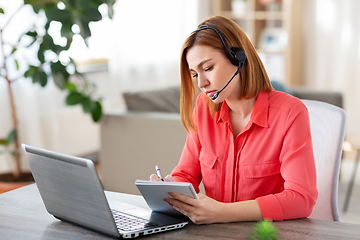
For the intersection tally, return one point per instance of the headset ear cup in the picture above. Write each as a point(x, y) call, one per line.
point(238, 54)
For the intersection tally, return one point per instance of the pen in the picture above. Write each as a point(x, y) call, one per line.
point(158, 172)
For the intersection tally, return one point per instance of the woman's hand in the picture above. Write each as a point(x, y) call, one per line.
point(203, 210)
point(168, 178)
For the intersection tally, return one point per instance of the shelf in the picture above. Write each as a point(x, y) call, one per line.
point(263, 15)
point(265, 51)
point(260, 19)
point(253, 15)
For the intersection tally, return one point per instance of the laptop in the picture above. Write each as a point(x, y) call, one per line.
point(71, 191)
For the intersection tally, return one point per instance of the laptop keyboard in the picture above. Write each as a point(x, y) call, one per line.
point(128, 223)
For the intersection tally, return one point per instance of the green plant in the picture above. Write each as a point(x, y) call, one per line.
point(50, 66)
point(264, 230)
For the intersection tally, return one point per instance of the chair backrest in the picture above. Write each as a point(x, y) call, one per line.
point(327, 124)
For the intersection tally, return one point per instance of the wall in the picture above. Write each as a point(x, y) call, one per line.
point(332, 52)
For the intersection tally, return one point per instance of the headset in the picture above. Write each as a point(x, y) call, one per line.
point(236, 55)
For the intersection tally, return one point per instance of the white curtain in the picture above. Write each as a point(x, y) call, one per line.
point(332, 52)
point(147, 38)
point(142, 44)
point(32, 103)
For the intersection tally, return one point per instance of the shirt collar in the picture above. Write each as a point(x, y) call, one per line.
point(259, 114)
point(224, 115)
point(261, 110)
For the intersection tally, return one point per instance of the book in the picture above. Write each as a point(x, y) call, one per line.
point(154, 194)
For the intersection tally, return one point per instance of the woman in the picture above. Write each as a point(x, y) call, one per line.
point(249, 144)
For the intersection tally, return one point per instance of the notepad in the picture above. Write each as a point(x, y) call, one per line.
point(154, 194)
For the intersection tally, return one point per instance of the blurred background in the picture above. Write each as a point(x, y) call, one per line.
point(310, 44)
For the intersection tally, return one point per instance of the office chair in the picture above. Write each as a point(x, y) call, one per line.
point(327, 124)
point(352, 143)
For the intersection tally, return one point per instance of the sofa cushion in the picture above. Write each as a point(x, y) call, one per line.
point(159, 100)
point(281, 87)
point(331, 97)
point(334, 98)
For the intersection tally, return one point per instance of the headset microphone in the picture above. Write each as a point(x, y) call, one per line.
point(213, 97)
point(236, 55)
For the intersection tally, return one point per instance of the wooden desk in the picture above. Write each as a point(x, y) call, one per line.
point(23, 216)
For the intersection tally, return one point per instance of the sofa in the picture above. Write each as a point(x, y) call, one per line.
point(149, 132)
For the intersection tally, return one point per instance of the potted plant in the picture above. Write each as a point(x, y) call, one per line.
point(68, 13)
point(264, 230)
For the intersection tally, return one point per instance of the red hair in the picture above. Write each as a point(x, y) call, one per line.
point(253, 76)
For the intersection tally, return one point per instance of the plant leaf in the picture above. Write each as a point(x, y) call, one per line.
point(11, 137)
point(43, 79)
point(32, 33)
point(3, 141)
point(74, 98)
point(91, 14)
point(14, 50)
point(59, 80)
point(32, 2)
point(55, 14)
point(48, 43)
point(66, 30)
point(31, 71)
point(33, 41)
point(58, 69)
point(86, 104)
point(40, 53)
point(110, 8)
point(82, 3)
point(85, 31)
point(17, 65)
point(71, 87)
point(2, 11)
point(38, 75)
point(96, 111)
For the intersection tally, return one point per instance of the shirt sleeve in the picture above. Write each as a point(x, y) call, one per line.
point(188, 168)
point(297, 169)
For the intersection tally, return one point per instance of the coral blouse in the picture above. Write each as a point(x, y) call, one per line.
point(271, 160)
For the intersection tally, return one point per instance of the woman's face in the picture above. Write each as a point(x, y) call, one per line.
point(212, 71)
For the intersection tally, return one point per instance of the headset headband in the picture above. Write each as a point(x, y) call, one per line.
point(236, 55)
